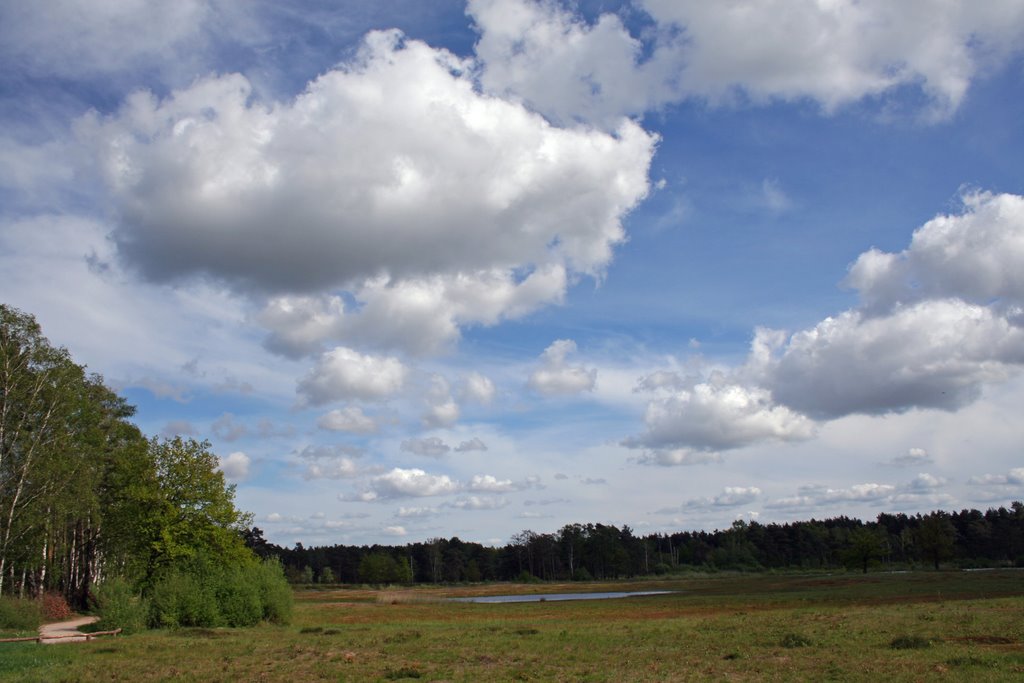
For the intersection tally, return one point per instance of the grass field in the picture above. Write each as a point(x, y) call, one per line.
point(965, 626)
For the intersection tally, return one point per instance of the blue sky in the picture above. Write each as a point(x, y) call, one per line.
point(433, 269)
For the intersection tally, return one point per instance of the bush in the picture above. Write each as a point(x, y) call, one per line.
point(275, 593)
point(20, 615)
point(581, 574)
point(909, 643)
point(791, 640)
point(209, 594)
point(118, 606)
point(179, 599)
point(54, 607)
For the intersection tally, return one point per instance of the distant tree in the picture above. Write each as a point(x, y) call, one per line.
point(380, 568)
point(327, 575)
point(865, 544)
point(936, 537)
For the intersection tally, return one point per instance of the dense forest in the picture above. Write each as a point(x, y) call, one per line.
point(968, 538)
point(87, 501)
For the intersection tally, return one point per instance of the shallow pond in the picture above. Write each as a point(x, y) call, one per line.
point(555, 597)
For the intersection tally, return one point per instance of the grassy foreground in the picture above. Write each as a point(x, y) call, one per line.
point(893, 627)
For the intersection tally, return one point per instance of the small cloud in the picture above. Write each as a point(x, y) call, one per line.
point(555, 377)
point(675, 457)
point(731, 496)
point(266, 429)
point(478, 388)
point(236, 466)
point(590, 481)
point(394, 531)
point(227, 428)
point(408, 483)
point(160, 389)
point(330, 462)
point(349, 419)
point(548, 501)
point(233, 385)
point(479, 503)
point(431, 447)
point(416, 512)
point(474, 444)
point(912, 458)
point(662, 379)
point(772, 196)
point(178, 428)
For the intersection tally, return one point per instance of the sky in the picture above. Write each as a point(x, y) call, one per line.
point(433, 269)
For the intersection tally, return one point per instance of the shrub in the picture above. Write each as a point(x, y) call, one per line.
point(118, 606)
point(20, 615)
point(791, 640)
point(238, 596)
point(54, 607)
point(275, 593)
point(208, 594)
point(581, 574)
point(909, 643)
point(180, 599)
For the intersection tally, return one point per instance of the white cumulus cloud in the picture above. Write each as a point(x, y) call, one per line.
point(555, 377)
point(235, 466)
point(347, 374)
point(350, 187)
point(348, 419)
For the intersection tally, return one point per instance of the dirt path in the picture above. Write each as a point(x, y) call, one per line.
point(67, 629)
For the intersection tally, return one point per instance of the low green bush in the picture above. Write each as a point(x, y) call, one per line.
point(119, 607)
point(791, 640)
point(275, 593)
point(181, 599)
point(909, 643)
point(209, 594)
point(20, 615)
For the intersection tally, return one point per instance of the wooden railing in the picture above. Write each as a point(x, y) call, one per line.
point(41, 638)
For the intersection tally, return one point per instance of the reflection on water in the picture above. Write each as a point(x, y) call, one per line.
point(554, 597)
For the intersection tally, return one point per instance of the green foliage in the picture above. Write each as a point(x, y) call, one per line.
point(791, 640)
point(180, 599)
point(275, 593)
point(582, 574)
point(909, 643)
point(379, 568)
point(195, 513)
point(207, 593)
point(19, 615)
point(118, 606)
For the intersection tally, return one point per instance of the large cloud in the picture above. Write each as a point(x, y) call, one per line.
point(565, 68)
point(830, 52)
point(933, 354)
point(390, 177)
point(940, 321)
point(977, 255)
point(713, 417)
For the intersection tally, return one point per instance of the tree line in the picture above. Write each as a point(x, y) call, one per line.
point(969, 538)
point(86, 498)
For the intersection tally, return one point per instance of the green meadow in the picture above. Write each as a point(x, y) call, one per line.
point(917, 626)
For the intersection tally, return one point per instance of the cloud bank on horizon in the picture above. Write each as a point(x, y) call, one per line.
point(526, 259)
